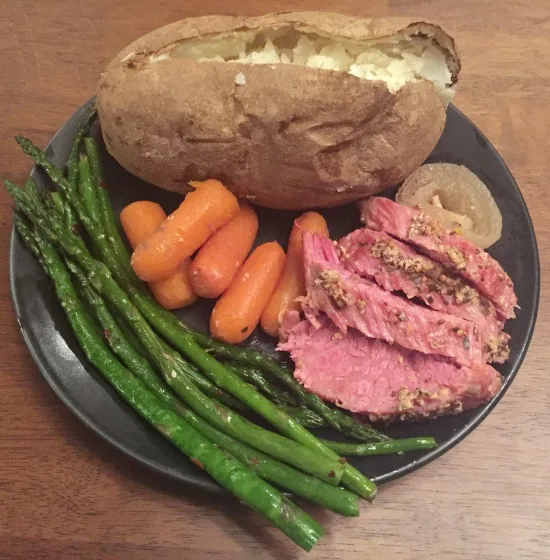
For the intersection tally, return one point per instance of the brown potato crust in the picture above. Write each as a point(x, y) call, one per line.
point(290, 137)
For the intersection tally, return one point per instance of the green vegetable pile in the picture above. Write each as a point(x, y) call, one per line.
point(197, 392)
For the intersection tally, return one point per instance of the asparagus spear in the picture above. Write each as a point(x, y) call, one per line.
point(72, 161)
point(106, 209)
point(383, 447)
point(170, 365)
point(222, 466)
point(93, 227)
point(24, 228)
point(257, 378)
point(86, 189)
point(176, 372)
point(306, 417)
point(314, 490)
point(128, 332)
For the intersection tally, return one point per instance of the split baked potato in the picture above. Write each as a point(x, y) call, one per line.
point(290, 110)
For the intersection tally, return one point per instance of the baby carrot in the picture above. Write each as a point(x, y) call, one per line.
point(202, 212)
point(291, 284)
point(219, 259)
point(238, 311)
point(175, 291)
point(139, 221)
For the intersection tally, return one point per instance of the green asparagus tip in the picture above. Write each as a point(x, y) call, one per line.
point(395, 446)
point(28, 147)
point(10, 187)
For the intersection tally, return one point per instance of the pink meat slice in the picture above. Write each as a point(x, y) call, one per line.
point(383, 381)
point(445, 247)
point(351, 301)
point(396, 266)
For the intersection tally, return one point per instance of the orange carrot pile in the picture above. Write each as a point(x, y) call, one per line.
point(211, 221)
point(139, 221)
point(219, 259)
point(238, 311)
point(291, 284)
point(202, 212)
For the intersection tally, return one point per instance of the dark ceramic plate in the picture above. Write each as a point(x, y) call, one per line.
point(84, 391)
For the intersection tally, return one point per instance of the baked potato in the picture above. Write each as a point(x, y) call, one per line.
point(289, 110)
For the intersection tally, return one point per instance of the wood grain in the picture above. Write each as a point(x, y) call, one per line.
point(66, 494)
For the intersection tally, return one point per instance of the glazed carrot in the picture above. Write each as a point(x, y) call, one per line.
point(175, 291)
point(238, 311)
point(219, 259)
point(203, 211)
point(140, 220)
point(291, 283)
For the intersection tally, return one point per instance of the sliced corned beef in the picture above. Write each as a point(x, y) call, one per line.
point(351, 301)
point(396, 266)
point(446, 247)
point(385, 381)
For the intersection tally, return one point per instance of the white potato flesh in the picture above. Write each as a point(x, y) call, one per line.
point(396, 63)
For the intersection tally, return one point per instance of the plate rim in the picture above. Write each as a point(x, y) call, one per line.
point(209, 485)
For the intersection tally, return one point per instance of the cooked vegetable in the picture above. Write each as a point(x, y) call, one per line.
point(227, 420)
point(115, 333)
point(175, 291)
point(457, 198)
point(291, 284)
point(311, 455)
point(291, 110)
point(219, 259)
point(203, 211)
point(140, 220)
point(73, 159)
point(324, 467)
point(332, 497)
point(223, 467)
point(86, 188)
point(165, 322)
point(106, 223)
point(93, 228)
point(238, 311)
point(304, 416)
point(169, 325)
point(265, 467)
point(257, 378)
point(384, 447)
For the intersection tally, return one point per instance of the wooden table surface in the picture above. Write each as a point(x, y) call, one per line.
point(64, 493)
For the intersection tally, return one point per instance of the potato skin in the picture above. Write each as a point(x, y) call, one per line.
point(290, 137)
